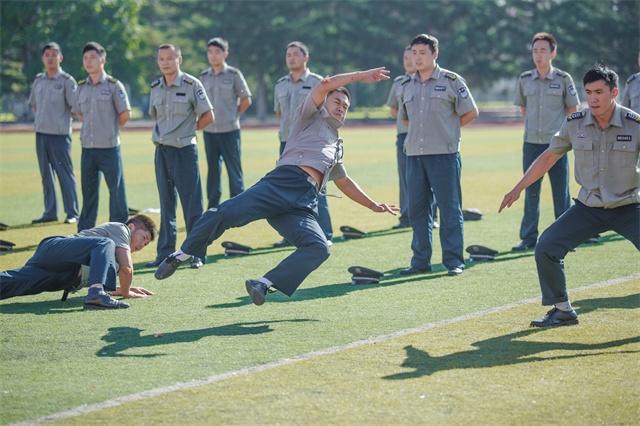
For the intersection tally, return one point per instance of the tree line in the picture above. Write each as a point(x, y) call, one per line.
point(482, 40)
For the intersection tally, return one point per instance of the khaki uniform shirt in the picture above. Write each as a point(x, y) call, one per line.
point(433, 109)
point(631, 95)
point(289, 95)
point(53, 99)
point(395, 101)
point(546, 102)
point(100, 105)
point(314, 142)
point(176, 109)
point(607, 164)
point(225, 91)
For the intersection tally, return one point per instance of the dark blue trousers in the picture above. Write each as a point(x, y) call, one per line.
point(287, 199)
point(431, 177)
point(55, 266)
point(94, 163)
point(573, 228)
point(177, 174)
point(54, 158)
point(219, 147)
point(402, 176)
point(559, 178)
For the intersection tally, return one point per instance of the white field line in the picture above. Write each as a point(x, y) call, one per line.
point(84, 409)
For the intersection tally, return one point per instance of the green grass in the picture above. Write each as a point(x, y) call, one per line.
point(54, 356)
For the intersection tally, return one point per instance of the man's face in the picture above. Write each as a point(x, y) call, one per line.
point(140, 238)
point(408, 62)
point(337, 105)
point(542, 54)
point(216, 56)
point(423, 58)
point(92, 62)
point(296, 59)
point(600, 97)
point(51, 59)
point(168, 61)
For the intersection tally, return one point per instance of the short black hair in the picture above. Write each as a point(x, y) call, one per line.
point(548, 37)
point(92, 45)
point(172, 47)
point(144, 222)
point(427, 39)
point(341, 89)
point(300, 45)
point(53, 46)
point(219, 42)
point(601, 71)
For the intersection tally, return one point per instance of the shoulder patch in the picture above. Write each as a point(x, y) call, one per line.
point(66, 75)
point(187, 79)
point(112, 79)
point(562, 73)
point(450, 75)
point(81, 82)
point(526, 74)
point(630, 79)
point(633, 117)
point(154, 84)
point(576, 115)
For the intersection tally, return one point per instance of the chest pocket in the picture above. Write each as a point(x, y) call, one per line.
point(439, 100)
point(408, 104)
point(624, 154)
point(302, 94)
point(226, 89)
point(104, 101)
point(529, 90)
point(554, 97)
point(180, 104)
point(584, 153)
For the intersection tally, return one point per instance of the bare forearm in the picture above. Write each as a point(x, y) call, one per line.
point(205, 119)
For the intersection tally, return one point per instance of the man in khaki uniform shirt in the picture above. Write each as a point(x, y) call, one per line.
point(606, 142)
point(52, 98)
point(631, 96)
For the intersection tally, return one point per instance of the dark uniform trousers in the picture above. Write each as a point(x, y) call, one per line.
point(223, 146)
point(94, 163)
point(402, 176)
point(287, 199)
point(54, 158)
point(177, 174)
point(559, 179)
point(573, 228)
point(55, 266)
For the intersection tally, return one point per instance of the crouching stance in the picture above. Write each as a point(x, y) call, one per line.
point(288, 195)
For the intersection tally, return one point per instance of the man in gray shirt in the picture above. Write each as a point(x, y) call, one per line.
point(631, 95)
point(52, 98)
point(230, 96)
point(103, 107)
point(606, 141)
point(288, 195)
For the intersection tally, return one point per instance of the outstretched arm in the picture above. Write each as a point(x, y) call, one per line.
point(328, 84)
point(539, 167)
point(351, 189)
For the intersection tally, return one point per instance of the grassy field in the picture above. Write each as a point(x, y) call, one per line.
point(429, 349)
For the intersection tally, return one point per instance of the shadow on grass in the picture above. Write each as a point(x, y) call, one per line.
point(121, 339)
point(508, 350)
point(45, 307)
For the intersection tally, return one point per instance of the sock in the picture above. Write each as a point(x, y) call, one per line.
point(265, 281)
point(564, 306)
point(181, 256)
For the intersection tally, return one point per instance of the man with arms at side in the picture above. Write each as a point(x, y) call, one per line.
point(180, 107)
point(93, 256)
point(287, 196)
point(291, 91)
point(546, 95)
point(230, 96)
point(103, 107)
point(436, 104)
point(52, 96)
point(606, 142)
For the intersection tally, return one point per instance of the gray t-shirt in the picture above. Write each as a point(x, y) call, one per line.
point(225, 90)
point(53, 99)
point(631, 95)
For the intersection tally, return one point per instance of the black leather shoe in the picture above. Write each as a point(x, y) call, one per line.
point(283, 243)
point(401, 225)
point(196, 263)
point(455, 271)
point(169, 266)
point(411, 270)
point(555, 317)
point(524, 246)
point(104, 301)
point(257, 290)
point(153, 264)
point(44, 220)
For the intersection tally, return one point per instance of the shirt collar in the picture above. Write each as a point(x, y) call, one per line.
point(550, 75)
point(103, 79)
point(616, 118)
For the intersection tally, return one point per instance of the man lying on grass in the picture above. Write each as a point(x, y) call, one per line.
point(95, 255)
point(288, 195)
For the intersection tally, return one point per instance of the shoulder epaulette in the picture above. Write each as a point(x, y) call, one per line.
point(399, 78)
point(205, 71)
point(562, 73)
point(283, 78)
point(576, 115)
point(154, 84)
point(39, 74)
point(407, 78)
point(81, 82)
point(633, 117)
point(112, 79)
point(526, 74)
point(450, 75)
point(314, 75)
point(233, 70)
point(66, 75)
point(630, 79)
point(188, 79)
